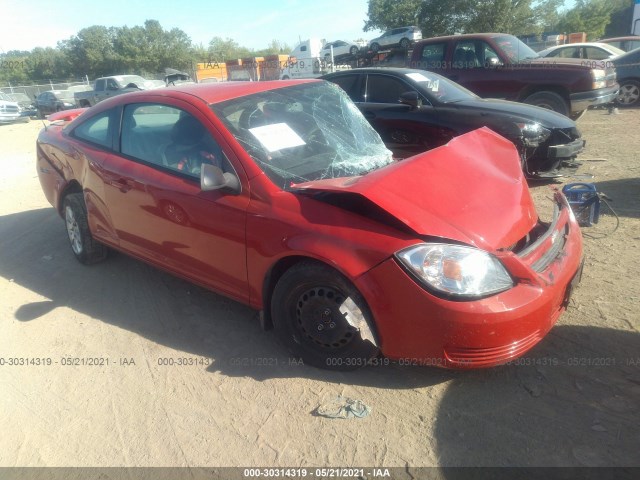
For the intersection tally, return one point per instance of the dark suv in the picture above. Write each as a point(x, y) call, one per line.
point(498, 65)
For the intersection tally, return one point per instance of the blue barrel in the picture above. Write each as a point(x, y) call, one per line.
point(584, 201)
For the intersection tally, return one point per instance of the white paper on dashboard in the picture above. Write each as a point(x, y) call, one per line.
point(277, 136)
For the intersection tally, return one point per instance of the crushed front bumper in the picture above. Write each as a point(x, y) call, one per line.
point(419, 328)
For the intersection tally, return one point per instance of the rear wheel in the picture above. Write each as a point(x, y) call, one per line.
point(375, 47)
point(548, 100)
point(84, 247)
point(629, 94)
point(322, 318)
point(353, 50)
point(404, 43)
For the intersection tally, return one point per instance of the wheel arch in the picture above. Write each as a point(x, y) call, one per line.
point(531, 89)
point(275, 273)
point(72, 187)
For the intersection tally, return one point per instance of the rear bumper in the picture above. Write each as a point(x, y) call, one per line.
point(418, 328)
point(583, 100)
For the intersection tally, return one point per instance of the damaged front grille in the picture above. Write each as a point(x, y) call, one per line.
point(548, 236)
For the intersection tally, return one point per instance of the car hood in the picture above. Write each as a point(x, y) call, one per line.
point(471, 190)
point(547, 118)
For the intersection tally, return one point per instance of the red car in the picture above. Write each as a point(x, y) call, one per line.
point(280, 195)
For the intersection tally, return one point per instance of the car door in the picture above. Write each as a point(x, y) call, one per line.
point(159, 212)
point(406, 131)
point(471, 67)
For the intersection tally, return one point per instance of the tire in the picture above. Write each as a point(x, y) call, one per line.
point(629, 94)
point(305, 308)
point(286, 77)
point(550, 101)
point(375, 47)
point(405, 43)
point(40, 115)
point(84, 247)
point(353, 51)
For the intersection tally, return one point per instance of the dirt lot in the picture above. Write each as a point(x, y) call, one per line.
point(573, 401)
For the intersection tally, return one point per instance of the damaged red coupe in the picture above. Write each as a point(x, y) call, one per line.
point(281, 196)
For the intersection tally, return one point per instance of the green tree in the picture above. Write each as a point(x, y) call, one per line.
point(620, 24)
point(590, 16)
point(225, 49)
point(463, 16)
point(92, 51)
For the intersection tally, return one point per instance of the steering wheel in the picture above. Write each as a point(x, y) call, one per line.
point(250, 117)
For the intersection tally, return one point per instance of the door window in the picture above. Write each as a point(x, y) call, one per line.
point(97, 129)
point(168, 137)
point(385, 89)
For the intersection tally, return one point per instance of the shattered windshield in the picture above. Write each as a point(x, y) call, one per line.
point(303, 133)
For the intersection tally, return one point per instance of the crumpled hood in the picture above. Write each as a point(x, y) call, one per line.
point(471, 190)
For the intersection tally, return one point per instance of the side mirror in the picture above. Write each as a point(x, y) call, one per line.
point(412, 99)
point(493, 62)
point(212, 178)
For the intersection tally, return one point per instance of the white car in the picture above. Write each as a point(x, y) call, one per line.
point(9, 110)
point(402, 36)
point(340, 48)
point(587, 51)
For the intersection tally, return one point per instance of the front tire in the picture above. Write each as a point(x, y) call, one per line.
point(353, 51)
point(629, 94)
point(306, 310)
point(84, 247)
point(375, 47)
point(405, 43)
point(550, 101)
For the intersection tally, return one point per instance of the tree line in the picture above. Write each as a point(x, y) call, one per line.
point(597, 18)
point(99, 51)
point(148, 49)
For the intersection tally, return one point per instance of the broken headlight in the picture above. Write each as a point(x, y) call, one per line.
point(455, 269)
point(533, 134)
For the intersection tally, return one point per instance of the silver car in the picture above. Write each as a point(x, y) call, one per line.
point(402, 36)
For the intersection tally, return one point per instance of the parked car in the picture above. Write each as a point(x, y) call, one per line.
point(9, 110)
point(497, 65)
point(280, 195)
point(27, 107)
point(624, 43)
point(586, 51)
point(414, 111)
point(628, 70)
point(106, 87)
point(402, 37)
point(54, 101)
point(340, 49)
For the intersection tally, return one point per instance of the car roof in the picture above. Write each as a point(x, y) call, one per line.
point(582, 44)
point(631, 37)
point(221, 91)
point(466, 35)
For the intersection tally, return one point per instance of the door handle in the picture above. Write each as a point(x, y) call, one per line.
point(369, 115)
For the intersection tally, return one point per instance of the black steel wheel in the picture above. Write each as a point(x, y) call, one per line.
point(375, 47)
point(315, 311)
point(405, 43)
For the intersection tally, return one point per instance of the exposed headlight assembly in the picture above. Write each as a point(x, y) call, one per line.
point(533, 134)
point(599, 78)
point(456, 270)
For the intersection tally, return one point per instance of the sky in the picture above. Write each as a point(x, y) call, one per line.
point(27, 24)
